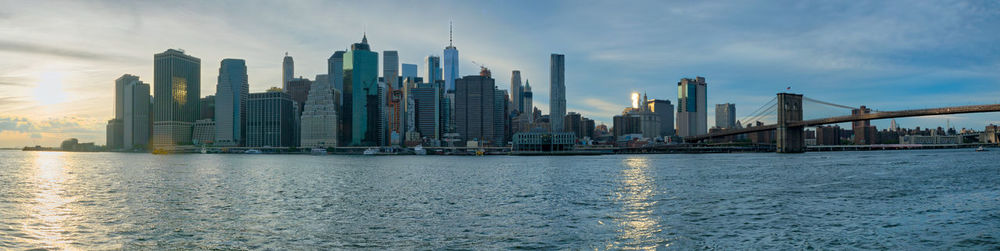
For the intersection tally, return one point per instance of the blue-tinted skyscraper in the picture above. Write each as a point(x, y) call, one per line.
point(230, 102)
point(177, 92)
point(450, 64)
point(433, 69)
point(335, 70)
point(361, 104)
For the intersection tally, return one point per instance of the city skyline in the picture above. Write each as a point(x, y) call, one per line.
point(58, 90)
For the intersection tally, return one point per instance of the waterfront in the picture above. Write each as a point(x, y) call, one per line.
point(922, 199)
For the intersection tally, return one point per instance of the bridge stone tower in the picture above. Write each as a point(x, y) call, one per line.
point(791, 139)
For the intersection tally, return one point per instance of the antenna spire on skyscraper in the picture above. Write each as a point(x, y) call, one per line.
point(449, 34)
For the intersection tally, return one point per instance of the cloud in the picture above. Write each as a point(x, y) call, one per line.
point(34, 48)
point(66, 124)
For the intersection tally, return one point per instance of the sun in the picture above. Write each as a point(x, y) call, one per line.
point(49, 89)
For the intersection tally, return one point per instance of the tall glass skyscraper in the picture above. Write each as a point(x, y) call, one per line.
point(390, 68)
point(335, 70)
point(692, 118)
point(450, 64)
point(230, 102)
point(287, 71)
point(433, 69)
point(557, 92)
point(361, 104)
point(517, 91)
point(177, 88)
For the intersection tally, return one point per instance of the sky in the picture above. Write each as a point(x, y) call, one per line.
point(59, 59)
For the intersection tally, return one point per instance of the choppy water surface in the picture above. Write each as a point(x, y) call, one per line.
point(931, 199)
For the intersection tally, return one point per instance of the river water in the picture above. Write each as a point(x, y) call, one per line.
point(913, 200)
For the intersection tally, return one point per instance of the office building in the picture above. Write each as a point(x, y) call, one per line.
point(665, 111)
point(177, 88)
point(501, 121)
point(526, 105)
point(433, 69)
point(516, 90)
point(725, 116)
point(113, 134)
point(335, 70)
point(692, 117)
point(409, 71)
point(360, 110)
point(390, 68)
point(231, 93)
point(270, 119)
point(318, 122)
point(557, 91)
point(135, 124)
point(474, 109)
point(287, 71)
point(298, 89)
point(426, 110)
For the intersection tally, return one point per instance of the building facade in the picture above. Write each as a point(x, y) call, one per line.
point(360, 112)
point(135, 124)
point(270, 119)
point(318, 122)
point(433, 69)
point(692, 116)
point(203, 132)
point(390, 68)
point(725, 116)
point(287, 71)
point(231, 93)
point(664, 110)
point(177, 88)
point(557, 91)
point(474, 109)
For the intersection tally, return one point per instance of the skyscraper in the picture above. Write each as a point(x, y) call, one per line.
point(474, 109)
point(390, 68)
point(287, 71)
point(360, 112)
point(527, 106)
point(557, 91)
point(318, 126)
point(116, 127)
point(725, 116)
point(516, 90)
point(692, 118)
point(433, 69)
point(177, 88)
point(130, 128)
point(409, 71)
point(427, 110)
point(270, 119)
point(335, 69)
point(231, 93)
point(665, 111)
point(450, 63)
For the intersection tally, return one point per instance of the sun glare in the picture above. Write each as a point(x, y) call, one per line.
point(49, 89)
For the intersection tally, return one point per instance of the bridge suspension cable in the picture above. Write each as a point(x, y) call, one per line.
point(773, 108)
point(761, 109)
point(828, 103)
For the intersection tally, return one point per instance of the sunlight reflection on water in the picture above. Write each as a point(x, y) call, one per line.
point(50, 208)
point(638, 225)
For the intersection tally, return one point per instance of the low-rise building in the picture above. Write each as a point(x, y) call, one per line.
point(544, 141)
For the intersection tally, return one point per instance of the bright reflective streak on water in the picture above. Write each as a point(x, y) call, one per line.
point(909, 200)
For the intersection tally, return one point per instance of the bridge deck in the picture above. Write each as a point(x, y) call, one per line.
point(851, 118)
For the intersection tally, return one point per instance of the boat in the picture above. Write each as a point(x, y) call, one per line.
point(252, 151)
point(981, 149)
point(203, 150)
point(371, 151)
point(318, 151)
point(419, 150)
point(480, 152)
point(159, 151)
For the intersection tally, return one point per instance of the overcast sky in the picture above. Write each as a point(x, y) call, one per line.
point(59, 60)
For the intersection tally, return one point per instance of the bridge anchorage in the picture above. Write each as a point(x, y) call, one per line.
point(790, 126)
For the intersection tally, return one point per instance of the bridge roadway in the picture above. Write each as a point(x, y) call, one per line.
point(851, 118)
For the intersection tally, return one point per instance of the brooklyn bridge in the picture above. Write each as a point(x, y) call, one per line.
point(790, 126)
